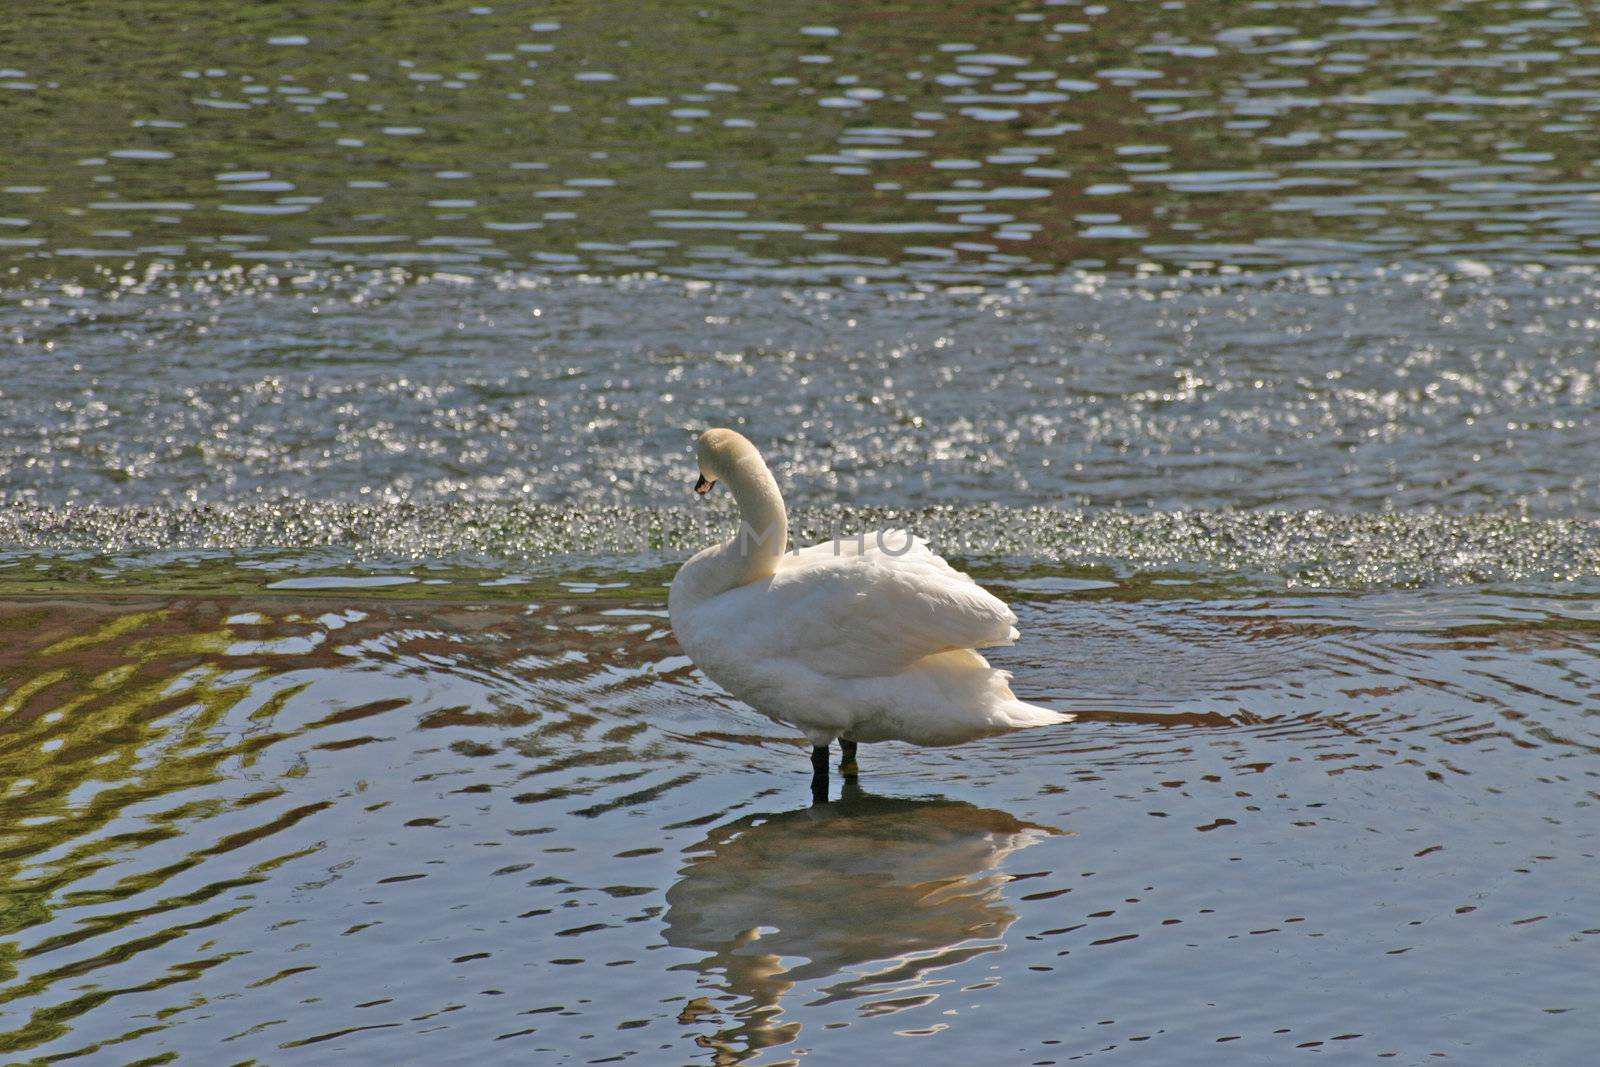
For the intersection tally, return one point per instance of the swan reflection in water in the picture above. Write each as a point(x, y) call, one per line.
point(797, 896)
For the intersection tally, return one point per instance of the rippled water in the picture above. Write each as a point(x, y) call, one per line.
point(354, 357)
point(724, 139)
point(366, 830)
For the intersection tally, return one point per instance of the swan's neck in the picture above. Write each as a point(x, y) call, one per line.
point(763, 534)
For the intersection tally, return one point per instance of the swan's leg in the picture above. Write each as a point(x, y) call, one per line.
point(847, 759)
point(819, 774)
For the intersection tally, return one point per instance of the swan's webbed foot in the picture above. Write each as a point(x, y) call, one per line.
point(847, 759)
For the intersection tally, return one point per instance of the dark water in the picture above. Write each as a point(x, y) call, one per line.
point(354, 354)
point(729, 139)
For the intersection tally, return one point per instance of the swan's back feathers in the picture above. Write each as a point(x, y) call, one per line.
point(870, 639)
point(876, 605)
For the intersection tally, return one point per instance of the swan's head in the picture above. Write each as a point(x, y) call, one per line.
point(719, 452)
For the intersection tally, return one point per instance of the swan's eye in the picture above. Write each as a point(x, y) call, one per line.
point(703, 486)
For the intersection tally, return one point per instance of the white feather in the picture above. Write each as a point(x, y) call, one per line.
point(870, 639)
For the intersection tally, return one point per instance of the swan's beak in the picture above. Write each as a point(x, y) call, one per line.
point(703, 486)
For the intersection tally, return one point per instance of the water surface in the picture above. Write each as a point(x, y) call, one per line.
point(720, 139)
point(1472, 390)
point(355, 353)
point(376, 827)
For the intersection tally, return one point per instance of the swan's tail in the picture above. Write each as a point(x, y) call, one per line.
point(1014, 714)
point(1019, 715)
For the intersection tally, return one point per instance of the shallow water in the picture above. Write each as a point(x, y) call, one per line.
point(287, 830)
point(354, 358)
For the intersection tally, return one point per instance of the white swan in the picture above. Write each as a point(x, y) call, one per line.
point(863, 639)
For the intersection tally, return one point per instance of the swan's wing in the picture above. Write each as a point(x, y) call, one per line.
point(880, 604)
